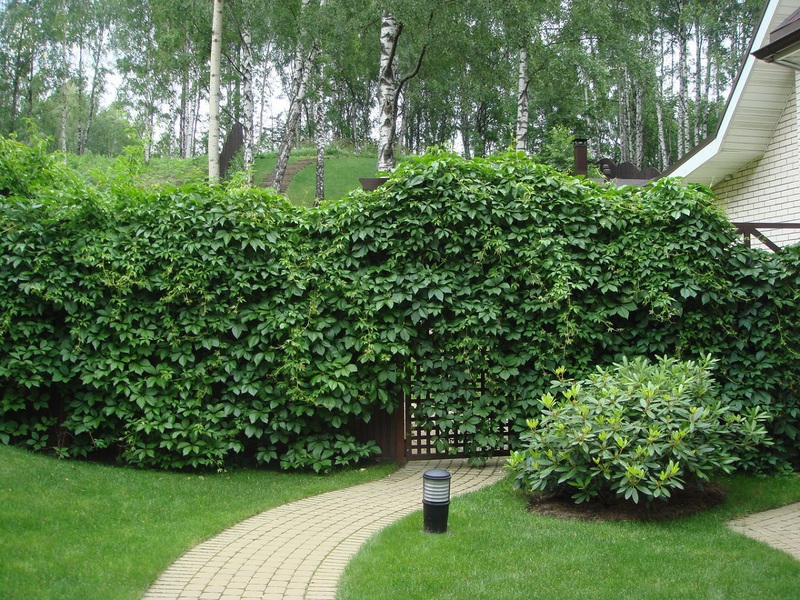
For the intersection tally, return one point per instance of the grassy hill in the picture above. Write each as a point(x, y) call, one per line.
point(342, 172)
point(341, 176)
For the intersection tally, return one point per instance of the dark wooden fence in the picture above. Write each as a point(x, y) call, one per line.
point(233, 143)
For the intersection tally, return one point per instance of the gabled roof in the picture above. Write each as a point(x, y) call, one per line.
point(757, 99)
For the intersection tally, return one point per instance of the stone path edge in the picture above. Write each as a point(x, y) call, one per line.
point(779, 527)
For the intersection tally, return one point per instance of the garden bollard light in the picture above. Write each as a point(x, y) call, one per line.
point(435, 500)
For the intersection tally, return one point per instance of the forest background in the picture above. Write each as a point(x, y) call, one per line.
point(643, 80)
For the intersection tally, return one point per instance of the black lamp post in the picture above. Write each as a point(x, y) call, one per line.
point(435, 500)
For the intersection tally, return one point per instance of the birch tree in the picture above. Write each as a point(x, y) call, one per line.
point(246, 77)
point(17, 50)
point(522, 102)
point(388, 91)
point(214, 92)
point(64, 74)
point(92, 44)
point(319, 140)
point(390, 85)
point(474, 64)
point(248, 102)
point(304, 55)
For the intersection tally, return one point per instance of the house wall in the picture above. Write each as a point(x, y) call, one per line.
point(768, 190)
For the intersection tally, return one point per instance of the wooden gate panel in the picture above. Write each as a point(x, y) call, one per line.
point(387, 430)
point(401, 437)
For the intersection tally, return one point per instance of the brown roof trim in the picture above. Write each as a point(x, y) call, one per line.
point(790, 24)
point(768, 52)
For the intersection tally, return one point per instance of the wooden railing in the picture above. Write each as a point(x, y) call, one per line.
point(750, 230)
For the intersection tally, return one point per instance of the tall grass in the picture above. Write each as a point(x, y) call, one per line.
point(98, 169)
point(71, 530)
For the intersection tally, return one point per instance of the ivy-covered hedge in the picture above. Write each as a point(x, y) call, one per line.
point(183, 327)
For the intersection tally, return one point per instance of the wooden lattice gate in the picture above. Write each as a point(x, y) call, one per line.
point(402, 437)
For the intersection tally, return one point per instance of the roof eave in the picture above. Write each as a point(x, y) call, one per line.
point(710, 161)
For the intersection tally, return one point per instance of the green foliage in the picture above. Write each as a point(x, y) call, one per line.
point(556, 149)
point(129, 168)
point(32, 171)
point(183, 327)
point(636, 428)
point(323, 452)
point(341, 177)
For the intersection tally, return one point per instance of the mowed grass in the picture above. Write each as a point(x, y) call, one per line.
point(72, 530)
point(341, 177)
point(262, 169)
point(495, 549)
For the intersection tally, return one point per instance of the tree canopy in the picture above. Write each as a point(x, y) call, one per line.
point(644, 80)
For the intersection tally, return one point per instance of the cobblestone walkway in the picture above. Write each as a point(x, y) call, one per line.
point(299, 550)
point(780, 528)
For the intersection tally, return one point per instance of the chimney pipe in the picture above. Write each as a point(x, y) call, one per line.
point(579, 153)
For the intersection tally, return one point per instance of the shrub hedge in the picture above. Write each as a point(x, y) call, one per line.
point(182, 327)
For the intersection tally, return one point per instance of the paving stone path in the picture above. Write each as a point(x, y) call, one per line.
point(299, 550)
point(779, 527)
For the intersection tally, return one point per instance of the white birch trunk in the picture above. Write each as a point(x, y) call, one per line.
point(662, 134)
point(195, 121)
point(183, 118)
point(248, 103)
point(293, 115)
point(699, 116)
point(80, 78)
point(466, 139)
point(98, 77)
point(297, 95)
point(18, 74)
point(638, 128)
point(170, 120)
point(64, 81)
point(262, 104)
point(63, 131)
point(319, 195)
point(522, 102)
point(683, 92)
point(184, 125)
point(662, 137)
point(624, 119)
point(388, 89)
point(214, 87)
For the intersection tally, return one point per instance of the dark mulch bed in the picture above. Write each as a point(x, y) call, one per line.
point(682, 503)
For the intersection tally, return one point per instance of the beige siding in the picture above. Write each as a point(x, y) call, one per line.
point(768, 190)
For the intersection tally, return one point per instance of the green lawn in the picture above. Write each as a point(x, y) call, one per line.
point(72, 530)
point(262, 168)
point(79, 530)
point(341, 177)
point(341, 173)
point(495, 549)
